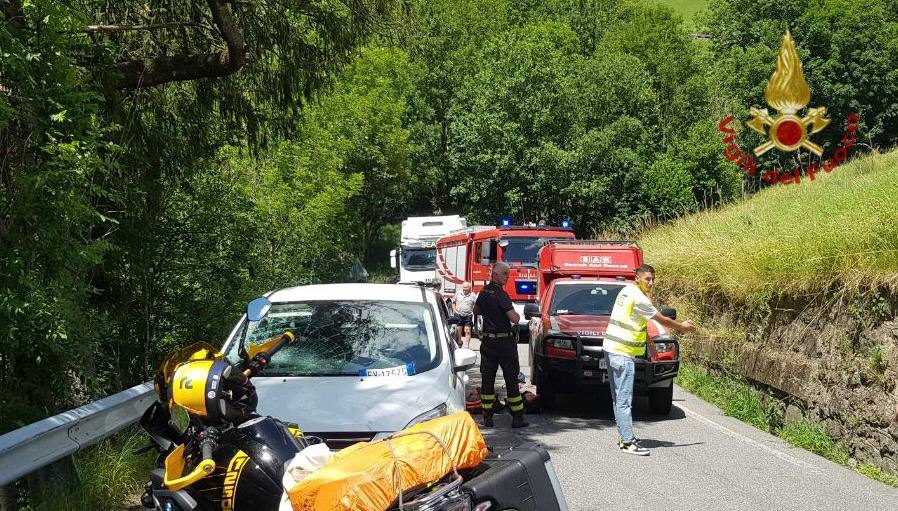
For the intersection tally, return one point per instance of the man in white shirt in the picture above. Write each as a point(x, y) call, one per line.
point(464, 313)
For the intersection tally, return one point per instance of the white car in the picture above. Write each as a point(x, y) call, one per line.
point(371, 359)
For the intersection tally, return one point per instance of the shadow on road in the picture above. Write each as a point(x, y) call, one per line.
point(652, 444)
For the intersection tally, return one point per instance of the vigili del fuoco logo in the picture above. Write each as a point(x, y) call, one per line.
point(788, 94)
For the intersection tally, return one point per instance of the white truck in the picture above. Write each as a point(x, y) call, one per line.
point(416, 256)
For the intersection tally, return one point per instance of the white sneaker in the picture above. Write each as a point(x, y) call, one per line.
point(634, 448)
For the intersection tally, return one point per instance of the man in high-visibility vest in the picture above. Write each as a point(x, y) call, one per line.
point(624, 341)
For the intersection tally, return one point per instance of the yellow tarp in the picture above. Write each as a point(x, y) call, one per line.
point(363, 477)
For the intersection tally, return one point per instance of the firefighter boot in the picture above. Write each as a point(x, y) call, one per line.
point(487, 418)
point(486, 402)
point(517, 419)
point(516, 407)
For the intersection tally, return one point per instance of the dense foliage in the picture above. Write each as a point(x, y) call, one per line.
point(162, 162)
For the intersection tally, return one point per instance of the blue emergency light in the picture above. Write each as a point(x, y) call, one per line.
point(506, 221)
point(525, 287)
point(566, 224)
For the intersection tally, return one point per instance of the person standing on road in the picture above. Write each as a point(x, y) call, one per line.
point(498, 347)
point(464, 311)
point(625, 340)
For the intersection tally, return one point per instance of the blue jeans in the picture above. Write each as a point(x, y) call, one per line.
point(621, 371)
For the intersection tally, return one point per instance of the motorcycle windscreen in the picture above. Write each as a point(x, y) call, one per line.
point(363, 477)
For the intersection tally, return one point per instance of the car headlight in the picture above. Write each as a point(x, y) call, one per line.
point(438, 411)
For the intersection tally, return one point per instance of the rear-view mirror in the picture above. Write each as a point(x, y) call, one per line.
point(258, 308)
point(531, 310)
point(464, 359)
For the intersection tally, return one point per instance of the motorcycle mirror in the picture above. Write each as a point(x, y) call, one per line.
point(258, 308)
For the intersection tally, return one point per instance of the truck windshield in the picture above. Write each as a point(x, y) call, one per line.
point(347, 338)
point(523, 250)
point(419, 258)
point(595, 299)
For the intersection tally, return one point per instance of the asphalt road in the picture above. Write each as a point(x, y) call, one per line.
point(700, 459)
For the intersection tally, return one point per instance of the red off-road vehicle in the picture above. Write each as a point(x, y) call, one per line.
point(578, 284)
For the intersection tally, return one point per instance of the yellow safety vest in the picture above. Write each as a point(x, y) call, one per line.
point(625, 335)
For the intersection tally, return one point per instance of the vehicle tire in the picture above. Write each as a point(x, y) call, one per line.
point(545, 391)
point(661, 400)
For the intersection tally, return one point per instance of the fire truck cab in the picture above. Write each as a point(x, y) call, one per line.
point(468, 255)
point(578, 284)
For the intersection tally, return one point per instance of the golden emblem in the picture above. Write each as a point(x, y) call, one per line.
point(788, 92)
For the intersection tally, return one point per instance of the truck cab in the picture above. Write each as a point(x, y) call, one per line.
point(469, 254)
point(416, 256)
point(578, 284)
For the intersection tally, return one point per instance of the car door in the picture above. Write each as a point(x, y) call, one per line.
point(456, 380)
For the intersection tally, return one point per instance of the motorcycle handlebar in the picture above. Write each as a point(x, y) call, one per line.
point(207, 442)
point(262, 359)
point(207, 450)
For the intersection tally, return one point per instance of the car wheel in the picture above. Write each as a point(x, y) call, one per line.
point(661, 400)
point(544, 390)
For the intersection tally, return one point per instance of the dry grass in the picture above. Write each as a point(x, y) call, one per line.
point(789, 239)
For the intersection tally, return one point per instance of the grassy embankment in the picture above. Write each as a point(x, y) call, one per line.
point(790, 239)
point(836, 233)
point(686, 8)
point(110, 476)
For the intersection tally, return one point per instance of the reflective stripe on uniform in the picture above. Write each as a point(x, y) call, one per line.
point(635, 344)
point(516, 403)
point(486, 401)
point(625, 325)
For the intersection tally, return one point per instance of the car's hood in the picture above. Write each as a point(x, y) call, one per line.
point(582, 325)
point(351, 403)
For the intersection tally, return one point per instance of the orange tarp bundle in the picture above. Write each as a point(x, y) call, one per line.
point(363, 477)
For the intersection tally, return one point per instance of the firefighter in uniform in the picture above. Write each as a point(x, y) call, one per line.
point(498, 347)
point(624, 341)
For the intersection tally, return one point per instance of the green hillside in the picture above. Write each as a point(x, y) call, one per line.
point(687, 8)
point(840, 228)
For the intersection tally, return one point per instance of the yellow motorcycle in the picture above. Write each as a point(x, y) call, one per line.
point(225, 443)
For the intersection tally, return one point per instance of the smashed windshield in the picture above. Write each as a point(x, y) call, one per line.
point(523, 250)
point(342, 338)
point(419, 258)
point(586, 298)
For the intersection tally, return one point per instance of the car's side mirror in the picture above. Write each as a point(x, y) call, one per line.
point(669, 312)
point(258, 308)
point(464, 359)
point(531, 310)
point(393, 259)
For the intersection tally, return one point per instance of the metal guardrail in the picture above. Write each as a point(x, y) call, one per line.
point(36, 445)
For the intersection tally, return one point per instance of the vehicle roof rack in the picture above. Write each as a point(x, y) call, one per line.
point(590, 242)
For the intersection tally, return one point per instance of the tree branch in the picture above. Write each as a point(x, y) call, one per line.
point(91, 29)
point(149, 72)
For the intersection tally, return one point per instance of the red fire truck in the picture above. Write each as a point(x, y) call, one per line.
point(468, 254)
point(578, 284)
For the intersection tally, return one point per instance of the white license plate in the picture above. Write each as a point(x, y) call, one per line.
point(587, 373)
point(603, 363)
